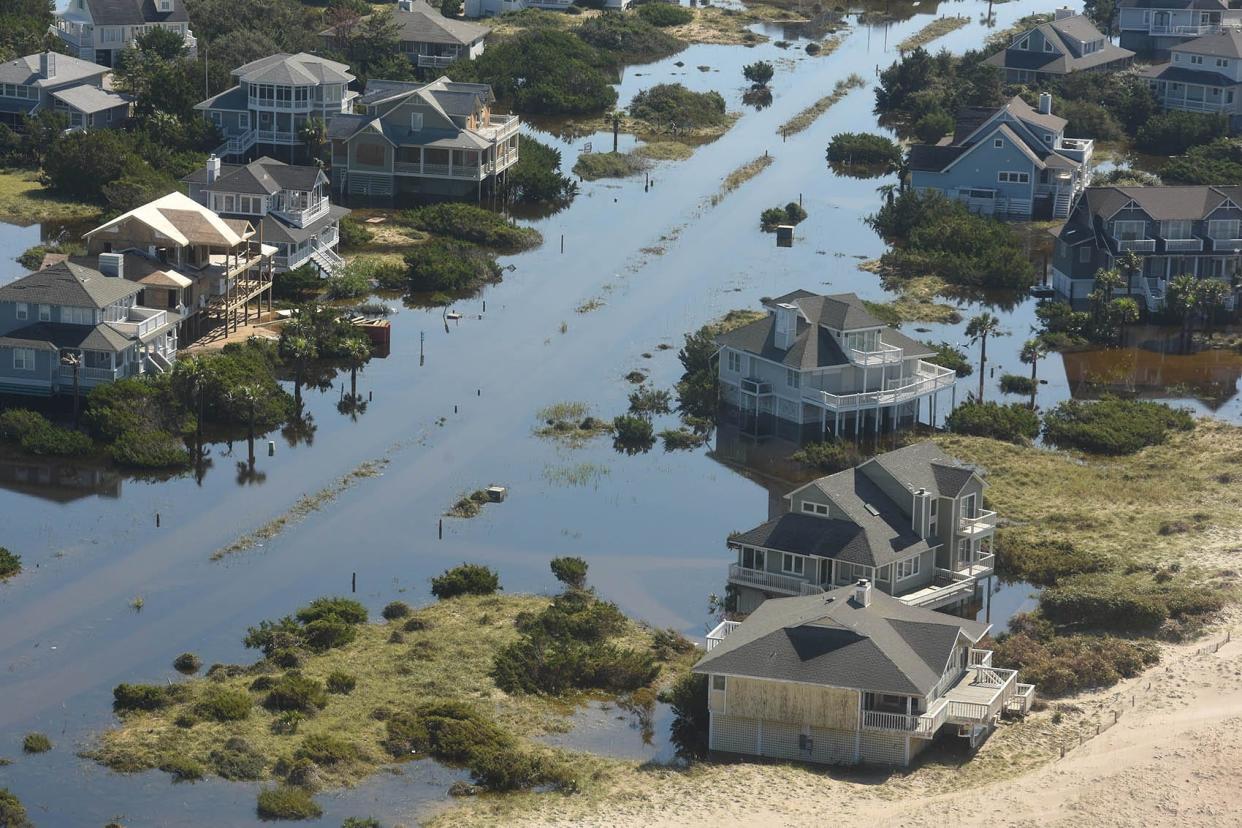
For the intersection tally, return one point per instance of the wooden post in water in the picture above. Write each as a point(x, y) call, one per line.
point(441, 528)
point(562, 242)
point(353, 583)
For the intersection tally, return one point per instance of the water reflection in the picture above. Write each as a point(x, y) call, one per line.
point(1150, 371)
point(57, 480)
point(758, 99)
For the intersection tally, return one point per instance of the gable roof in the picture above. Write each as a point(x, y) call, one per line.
point(28, 71)
point(807, 535)
point(89, 99)
point(1209, 5)
point(180, 219)
point(423, 24)
point(1075, 28)
point(301, 69)
point(1225, 43)
point(1161, 203)
point(50, 336)
point(133, 12)
point(263, 176)
point(924, 466)
point(833, 640)
point(885, 523)
point(68, 283)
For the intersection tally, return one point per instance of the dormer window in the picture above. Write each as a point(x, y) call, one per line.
point(1197, 60)
point(166, 5)
point(1024, 43)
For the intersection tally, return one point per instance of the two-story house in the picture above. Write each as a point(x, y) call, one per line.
point(910, 521)
point(430, 40)
point(818, 365)
point(98, 30)
point(1011, 161)
point(70, 313)
point(1175, 230)
point(1202, 75)
point(433, 139)
point(494, 8)
point(1153, 27)
point(274, 98)
point(78, 88)
point(206, 270)
point(289, 203)
point(1069, 43)
point(851, 676)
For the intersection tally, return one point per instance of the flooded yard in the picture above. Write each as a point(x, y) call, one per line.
point(648, 265)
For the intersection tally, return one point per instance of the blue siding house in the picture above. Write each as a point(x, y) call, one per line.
point(1011, 161)
point(68, 312)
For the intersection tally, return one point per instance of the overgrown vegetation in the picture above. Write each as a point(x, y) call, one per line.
point(1112, 425)
point(595, 165)
point(287, 802)
point(938, 28)
point(668, 104)
point(698, 390)
point(36, 435)
point(469, 223)
point(873, 154)
point(10, 564)
point(664, 14)
point(467, 579)
point(810, 115)
point(1014, 423)
point(1218, 162)
point(950, 356)
point(791, 214)
point(12, 812)
point(537, 178)
point(629, 38)
point(829, 456)
point(448, 265)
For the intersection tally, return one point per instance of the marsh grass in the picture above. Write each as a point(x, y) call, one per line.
point(938, 28)
point(570, 423)
point(741, 175)
point(447, 656)
point(811, 114)
point(916, 302)
point(582, 474)
point(664, 151)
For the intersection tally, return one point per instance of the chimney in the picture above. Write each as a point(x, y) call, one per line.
point(786, 325)
point(1045, 103)
point(405, 5)
point(862, 592)
point(1064, 12)
point(919, 512)
point(112, 264)
point(213, 169)
point(47, 65)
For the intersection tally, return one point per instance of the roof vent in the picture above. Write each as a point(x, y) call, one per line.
point(871, 509)
point(112, 264)
point(1064, 12)
point(862, 592)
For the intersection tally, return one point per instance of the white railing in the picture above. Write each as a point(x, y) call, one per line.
point(979, 658)
point(1225, 245)
point(1183, 245)
point(766, 580)
point(1022, 700)
point(720, 633)
point(1079, 149)
point(953, 585)
point(271, 136)
point(1137, 245)
point(925, 724)
point(304, 217)
point(884, 355)
point(91, 375)
point(983, 523)
point(1192, 104)
point(811, 589)
point(983, 566)
point(436, 61)
point(236, 145)
point(946, 681)
point(1182, 29)
point(928, 379)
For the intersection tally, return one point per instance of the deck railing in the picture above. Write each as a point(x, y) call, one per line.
point(928, 379)
point(984, 522)
point(924, 725)
point(766, 580)
point(884, 355)
point(979, 658)
point(720, 632)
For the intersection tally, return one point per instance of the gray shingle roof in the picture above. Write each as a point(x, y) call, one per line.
point(1227, 43)
point(134, 12)
point(26, 70)
point(807, 535)
point(924, 466)
point(70, 284)
point(887, 530)
point(1161, 203)
point(1209, 5)
point(832, 640)
point(275, 230)
point(301, 69)
point(89, 99)
point(232, 100)
point(1183, 74)
point(427, 25)
point(263, 176)
point(44, 334)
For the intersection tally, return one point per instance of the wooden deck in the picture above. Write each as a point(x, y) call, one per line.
point(980, 695)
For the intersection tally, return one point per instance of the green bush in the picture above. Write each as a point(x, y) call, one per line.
point(865, 148)
point(339, 681)
point(467, 579)
point(300, 284)
point(933, 126)
point(646, 402)
point(1043, 562)
point(467, 222)
point(829, 457)
point(664, 14)
point(949, 356)
point(1015, 422)
point(361, 822)
point(183, 768)
point(577, 615)
point(628, 38)
point(688, 699)
point(1059, 665)
point(236, 761)
point(449, 265)
point(287, 802)
point(12, 812)
point(329, 633)
point(632, 433)
point(671, 103)
point(1113, 426)
point(129, 697)
point(1016, 384)
point(251, 365)
point(1173, 133)
point(792, 213)
point(395, 610)
point(294, 691)
point(135, 404)
point(1087, 119)
point(571, 571)
point(10, 564)
point(1105, 601)
point(35, 434)
point(17, 423)
point(353, 233)
point(224, 704)
point(1219, 162)
point(596, 165)
point(536, 178)
point(36, 743)
point(325, 749)
point(149, 449)
point(343, 609)
point(349, 282)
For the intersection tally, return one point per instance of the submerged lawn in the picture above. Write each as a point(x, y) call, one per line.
point(449, 660)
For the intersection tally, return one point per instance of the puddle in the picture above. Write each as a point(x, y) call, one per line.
point(606, 729)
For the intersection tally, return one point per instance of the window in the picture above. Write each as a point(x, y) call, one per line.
point(1223, 229)
point(793, 564)
point(932, 514)
point(1130, 230)
point(1197, 60)
point(718, 682)
point(1222, 62)
point(416, 121)
point(814, 508)
point(77, 316)
point(1047, 46)
point(370, 154)
point(1024, 43)
point(1177, 58)
point(1177, 229)
point(735, 361)
point(243, 120)
point(998, 143)
point(792, 378)
point(217, 119)
point(1084, 253)
point(752, 558)
point(1047, 138)
point(907, 568)
point(1007, 177)
point(23, 359)
point(45, 313)
point(968, 506)
point(23, 310)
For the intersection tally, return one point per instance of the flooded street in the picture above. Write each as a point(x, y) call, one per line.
point(652, 526)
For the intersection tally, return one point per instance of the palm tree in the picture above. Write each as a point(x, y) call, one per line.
point(1182, 298)
point(1123, 312)
point(1033, 350)
point(1130, 264)
point(247, 397)
point(195, 373)
point(301, 350)
point(357, 351)
point(1210, 296)
point(979, 329)
point(314, 134)
point(1106, 283)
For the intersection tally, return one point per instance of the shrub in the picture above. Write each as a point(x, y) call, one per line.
point(472, 224)
point(325, 749)
point(1087, 119)
point(273, 637)
point(149, 449)
point(415, 624)
point(287, 723)
point(865, 148)
point(632, 433)
point(541, 664)
point(949, 356)
point(688, 699)
point(829, 456)
point(224, 704)
point(595, 165)
point(681, 439)
point(35, 434)
point(1108, 601)
point(664, 14)
point(672, 103)
point(933, 126)
point(294, 691)
point(10, 564)
point(467, 579)
point(1219, 162)
point(1044, 562)
point(136, 404)
point(341, 682)
point(12, 812)
point(1064, 664)
point(536, 178)
point(328, 633)
point(646, 401)
point(36, 743)
point(187, 663)
point(1172, 133)
point(236, 760)
point(346, 610)
point(1016, 384)
point(361, 822)
point(791, 213)
point(668, 643)
point(17, 423)
point(576, 615)
point(353, 234)
point(1015, 422)
point(130, 697)
point(1113, 426)
point(628, 38)
point(395, 610)
point(570, 571)
point(287, 802)
point(449, 265)
point(183, 768)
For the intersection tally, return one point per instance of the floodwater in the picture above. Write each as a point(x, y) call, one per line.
point(652, 526)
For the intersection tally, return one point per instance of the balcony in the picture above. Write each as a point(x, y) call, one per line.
point(981, 524)
point(720, 632)
point(923, 726)
point(980, 695)
point(1182, 245)
point(435, 61)
point(1193, 104)
point(758, 387)
point(979, 658)
point(92, 376)
point(1182, 30)
point(928, 379)
point(1077, 149)
point(78, 35)
point(885, 355)
point(1233, 246)
point(303, 217)
point(1137, 245)
point(770, 581)
point(141, 322)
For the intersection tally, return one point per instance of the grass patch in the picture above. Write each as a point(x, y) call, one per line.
point(939, 27)
point(581, 474)
point(1014, 423)
point(595, 165)
point(287, 802)
point(664, 151)
point(829, 457)
point(1113, 426)
point(916, 302)
point(23, 200)
point(570, 423)
point(741, 175)
point(808, 116)
point(36, 743)
point(466, 222)
point(468, 505)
